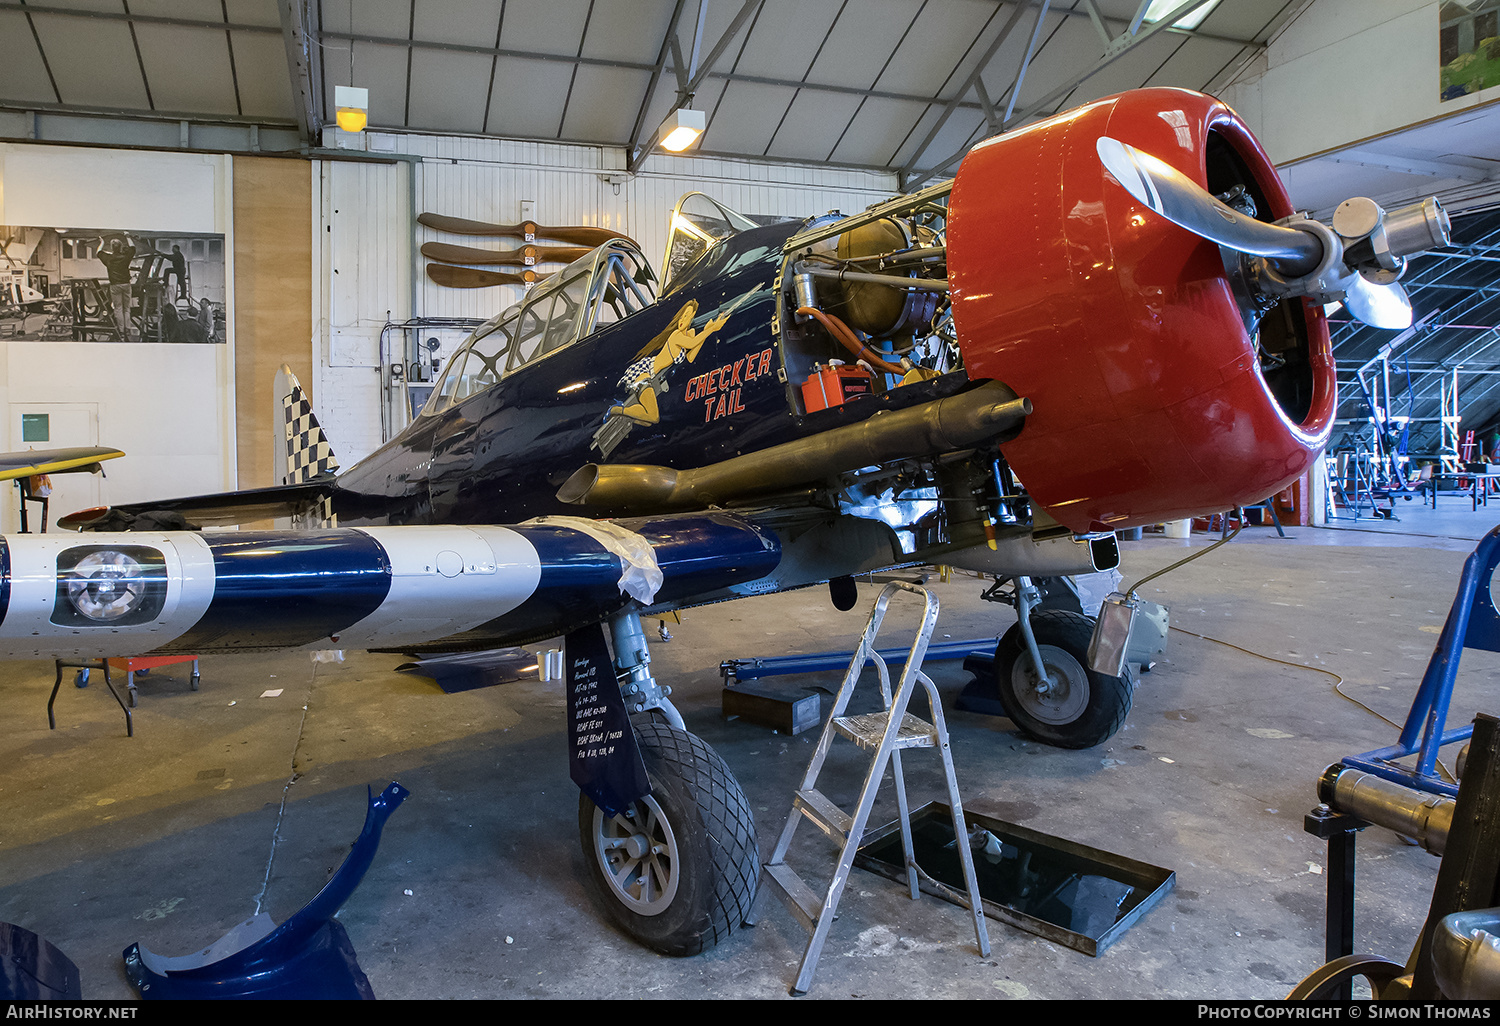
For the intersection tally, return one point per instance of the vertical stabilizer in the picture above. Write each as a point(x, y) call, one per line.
point(306, 453)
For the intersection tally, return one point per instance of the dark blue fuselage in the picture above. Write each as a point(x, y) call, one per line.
point(500, 456)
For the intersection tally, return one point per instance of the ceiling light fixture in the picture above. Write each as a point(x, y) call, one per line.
point(1159, 9)
point(353, 107)
point(682, 129)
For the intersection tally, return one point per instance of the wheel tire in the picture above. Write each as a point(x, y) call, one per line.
point(703, 865)
point(1085, 708)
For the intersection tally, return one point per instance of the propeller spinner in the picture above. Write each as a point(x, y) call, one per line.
point(1357, 260)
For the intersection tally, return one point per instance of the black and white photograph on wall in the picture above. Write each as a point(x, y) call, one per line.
point(105, 285)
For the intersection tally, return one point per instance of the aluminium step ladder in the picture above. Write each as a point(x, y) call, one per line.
point(885, 733)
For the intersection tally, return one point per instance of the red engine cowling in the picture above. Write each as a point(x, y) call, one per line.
point(1149, 399)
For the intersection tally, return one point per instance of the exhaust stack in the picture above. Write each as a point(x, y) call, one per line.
point(944, 425)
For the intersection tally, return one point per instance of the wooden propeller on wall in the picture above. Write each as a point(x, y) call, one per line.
point(474, 278)
point(579, 235)
point(451, 254)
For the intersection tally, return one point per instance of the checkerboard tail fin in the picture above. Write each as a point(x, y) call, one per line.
point(307, 454)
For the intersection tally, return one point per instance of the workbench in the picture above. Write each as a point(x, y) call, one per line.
point(1477, 486)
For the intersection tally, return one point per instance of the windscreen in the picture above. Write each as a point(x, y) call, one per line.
point(698, 222)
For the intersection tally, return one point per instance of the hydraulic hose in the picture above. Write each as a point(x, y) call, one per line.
point(850, 341)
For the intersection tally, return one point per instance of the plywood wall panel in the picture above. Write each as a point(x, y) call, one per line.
point(273, 301)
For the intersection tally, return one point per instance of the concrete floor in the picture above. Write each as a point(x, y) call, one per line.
point(230, 799)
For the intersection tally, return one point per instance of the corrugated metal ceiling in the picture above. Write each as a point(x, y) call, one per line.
point(907, 85)
point(1455, 294)
point(902, 84)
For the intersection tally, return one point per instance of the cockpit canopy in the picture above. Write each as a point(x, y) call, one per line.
point(606, 285)
point(698, 222)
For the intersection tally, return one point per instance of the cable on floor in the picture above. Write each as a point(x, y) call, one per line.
point(1337, 681)
point(265, 886)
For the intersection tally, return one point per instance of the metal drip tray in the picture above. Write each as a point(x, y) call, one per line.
point(1065, 892)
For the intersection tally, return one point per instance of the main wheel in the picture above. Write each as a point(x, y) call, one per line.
point(1074, 707)
point(678, 868)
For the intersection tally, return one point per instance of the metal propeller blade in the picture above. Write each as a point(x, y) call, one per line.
point(1184, 202)
point(1291, 252)
point(1380, 306)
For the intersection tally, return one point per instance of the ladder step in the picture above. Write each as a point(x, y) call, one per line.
point(816, 912)
point(868, 730)
point(827, 816)
point(799, 899)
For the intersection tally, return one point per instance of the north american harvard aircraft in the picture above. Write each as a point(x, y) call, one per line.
point(1109, 318)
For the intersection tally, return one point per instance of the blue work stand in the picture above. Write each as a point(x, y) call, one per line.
point(1473, 622)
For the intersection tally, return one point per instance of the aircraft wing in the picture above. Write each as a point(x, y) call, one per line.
point(388, 587)
point(53, 461)
point(220, 509)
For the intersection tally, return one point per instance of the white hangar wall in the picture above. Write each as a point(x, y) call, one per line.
point(1346, 74)
point(370, 273)
point(1343, 71)
point(168, 406)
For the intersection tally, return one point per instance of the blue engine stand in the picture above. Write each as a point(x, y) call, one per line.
point(1473, 622)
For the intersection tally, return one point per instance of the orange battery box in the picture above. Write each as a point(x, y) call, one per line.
point(834, 385)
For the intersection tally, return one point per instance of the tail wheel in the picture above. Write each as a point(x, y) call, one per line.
point(677, 870)
point(1074, 707)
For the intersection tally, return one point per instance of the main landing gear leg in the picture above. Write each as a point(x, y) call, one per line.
point(633, 664)
point(1043, 678)
point(678, 868)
